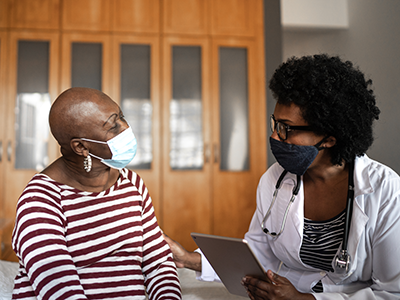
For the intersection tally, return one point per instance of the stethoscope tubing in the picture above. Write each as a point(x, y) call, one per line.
point(295, 191)
point(342, 262)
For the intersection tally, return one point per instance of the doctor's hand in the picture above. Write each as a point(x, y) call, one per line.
point(182, 257)
point(280, 288)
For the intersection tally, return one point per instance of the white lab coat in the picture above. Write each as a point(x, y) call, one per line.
point(374, 238)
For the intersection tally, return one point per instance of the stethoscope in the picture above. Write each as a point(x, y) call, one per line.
point(342, 260)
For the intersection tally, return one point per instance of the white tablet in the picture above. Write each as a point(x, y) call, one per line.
point(231, 258)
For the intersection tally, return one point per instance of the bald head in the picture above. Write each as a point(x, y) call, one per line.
point(75, 112)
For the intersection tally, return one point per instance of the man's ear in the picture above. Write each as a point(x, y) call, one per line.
point(78, 147)
point(329, 142)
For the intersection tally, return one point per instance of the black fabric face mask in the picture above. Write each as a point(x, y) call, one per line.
point(294, 158)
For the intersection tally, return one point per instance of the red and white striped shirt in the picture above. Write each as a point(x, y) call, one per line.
point(81, 245)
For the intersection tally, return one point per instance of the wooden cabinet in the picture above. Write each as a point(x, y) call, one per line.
point(150, 174)
point(186, 186)
point(6, 220)
point(100, 43)
point(17, 177)
point(234, 184)
point(217, 196)
point(90, 15)
point(4, 13)
point(32, 82)
point(3, 106)
point(141, 16)
point(38, 14)
point(186, 16)
point(235, 17)
point(207, 149)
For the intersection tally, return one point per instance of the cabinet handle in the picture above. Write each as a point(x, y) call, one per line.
point(207, 153)
point(1, 151)
point(9, 151)
point(216, 154)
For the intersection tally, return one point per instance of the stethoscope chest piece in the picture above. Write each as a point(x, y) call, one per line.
point(342, 262)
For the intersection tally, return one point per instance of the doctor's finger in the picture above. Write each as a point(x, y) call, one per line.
point(258, 288)
point(275, 278)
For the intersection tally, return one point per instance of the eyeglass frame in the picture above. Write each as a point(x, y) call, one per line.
point(274, 125)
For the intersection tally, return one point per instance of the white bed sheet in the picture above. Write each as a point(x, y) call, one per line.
point(192, 289)
point(8, 271)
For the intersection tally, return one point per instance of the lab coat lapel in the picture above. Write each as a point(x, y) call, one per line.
point(359, 219)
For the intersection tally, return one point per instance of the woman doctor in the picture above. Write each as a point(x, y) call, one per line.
point(327, 220)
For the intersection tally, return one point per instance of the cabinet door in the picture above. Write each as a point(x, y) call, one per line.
point(4, 13)
point(186, 16)
point(234, 17)
point(28, 14)
point(32, 86)
point(3, 116)
point(186, 171)
point(142, 16)
point(86, 62)
point(239, 131)
point(136, 78)
point(93, 15)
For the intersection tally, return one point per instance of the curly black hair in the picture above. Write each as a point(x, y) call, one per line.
point(334, 98)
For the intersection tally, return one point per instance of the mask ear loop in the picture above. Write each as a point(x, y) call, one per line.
point(94, 141)
point(98, 142)
point(318, 145)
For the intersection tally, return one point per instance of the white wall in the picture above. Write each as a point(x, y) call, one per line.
point(372, 42)
point(310, 14)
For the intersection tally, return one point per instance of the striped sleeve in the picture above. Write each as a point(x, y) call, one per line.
point(161, 278)
point(47, 270)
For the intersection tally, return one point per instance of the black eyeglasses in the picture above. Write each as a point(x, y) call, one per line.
point(282, 129)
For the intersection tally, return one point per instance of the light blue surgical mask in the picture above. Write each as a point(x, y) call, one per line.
point(123, 148)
